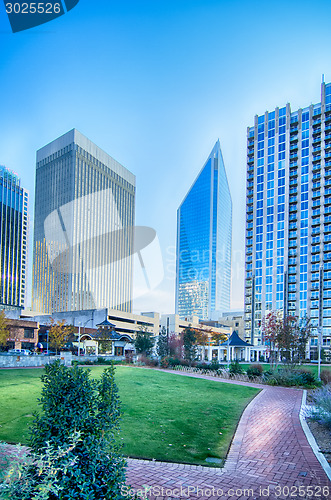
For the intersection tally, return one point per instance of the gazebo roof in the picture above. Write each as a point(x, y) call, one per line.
point(235, 341)
point(107, 323)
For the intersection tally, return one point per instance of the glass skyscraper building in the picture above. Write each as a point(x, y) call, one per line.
point(13, 240)
point(288, 227)
point(83, 231)
point(204, 236)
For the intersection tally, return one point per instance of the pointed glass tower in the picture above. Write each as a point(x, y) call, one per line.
point(204, 233)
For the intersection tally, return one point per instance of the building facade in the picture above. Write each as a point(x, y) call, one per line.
point(204, 236)
point(83, 232)
point(288, 226)
point(13, 240)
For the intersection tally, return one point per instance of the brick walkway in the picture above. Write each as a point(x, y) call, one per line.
point(269, 458)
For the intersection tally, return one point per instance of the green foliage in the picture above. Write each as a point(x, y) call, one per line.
point(189, 343)
point(214, 366)
point(4, 331)
point(162, 346)
point(288, 377)
point(73, 403)
point(235, 368)
point(143, 342)
point(39, 476)
point(322, 406)
point(255, 370)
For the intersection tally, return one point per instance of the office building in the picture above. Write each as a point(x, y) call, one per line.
point(83, 231)
point(13, 240)
point(204, 233)
point(288, 229)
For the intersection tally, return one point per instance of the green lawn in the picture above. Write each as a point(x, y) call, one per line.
point(311, 367)
point(166, 416)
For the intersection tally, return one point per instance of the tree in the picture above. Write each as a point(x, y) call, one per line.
point(162, 346)
point(143, 342)
point(189, 343)
point(201, 336)
point(217, 338)
point(176, 346)
point(103, 337)
point(286, 336)
point(4, 331)
point(58, 334)
point(75, 432)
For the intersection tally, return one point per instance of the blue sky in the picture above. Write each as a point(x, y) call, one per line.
point(155, 84)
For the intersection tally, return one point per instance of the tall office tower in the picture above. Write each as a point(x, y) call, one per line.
point(288, 232)
point(13, 240)
point(83, 231)
point(204, 234)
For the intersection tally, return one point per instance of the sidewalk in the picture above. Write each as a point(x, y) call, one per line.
point(270, 457)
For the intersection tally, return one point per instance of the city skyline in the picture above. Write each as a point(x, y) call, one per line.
point(140, 86)
point(83, 231)
point(204, 237)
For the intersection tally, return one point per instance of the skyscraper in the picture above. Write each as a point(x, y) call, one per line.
point(288, 231)
point(13, 240)
point(83, 232)
point(204, 234)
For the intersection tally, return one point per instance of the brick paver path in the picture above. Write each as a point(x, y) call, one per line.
point(269, 458)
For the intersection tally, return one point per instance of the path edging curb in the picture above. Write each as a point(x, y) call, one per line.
point(311, 440)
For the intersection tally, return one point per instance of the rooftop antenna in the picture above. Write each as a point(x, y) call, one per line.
point(323, 78)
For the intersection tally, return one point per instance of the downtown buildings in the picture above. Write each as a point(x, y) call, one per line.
point(13, 240)
point(288, 226)
point(204, 234)
point(83, 231)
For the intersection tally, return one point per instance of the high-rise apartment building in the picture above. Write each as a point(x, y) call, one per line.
point(288, 228)
point(13, 240)
point(204, 236)
point(83, 231)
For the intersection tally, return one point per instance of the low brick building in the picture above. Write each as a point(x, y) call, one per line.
point(22, 334)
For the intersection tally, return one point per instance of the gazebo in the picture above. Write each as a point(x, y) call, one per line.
point(236, 349)
point(121, 342)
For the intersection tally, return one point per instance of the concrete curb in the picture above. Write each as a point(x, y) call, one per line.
point(311, 440)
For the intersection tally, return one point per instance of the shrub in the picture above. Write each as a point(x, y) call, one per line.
point(164, 363)
point(148, 361)
point(235, 368)
point(289, 377)
point(326, 377)
point(80, 417)
point(174, 362)
point(254, 371)
point(322, 409)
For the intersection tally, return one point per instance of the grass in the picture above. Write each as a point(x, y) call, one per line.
point(166, 416)
point(312, 368)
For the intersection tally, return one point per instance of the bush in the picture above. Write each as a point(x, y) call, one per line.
point(147, 361)
point(289, 377)
point(235, 368)
point(174, 362)
point(254, 371)
point(326, 377)
point(322, 409)
point(76, 432)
